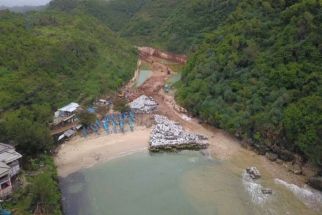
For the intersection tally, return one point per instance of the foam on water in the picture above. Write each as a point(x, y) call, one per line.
point(310, 197)
point(254, 189)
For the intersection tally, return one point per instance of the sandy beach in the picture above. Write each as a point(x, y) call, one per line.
point(79, 152)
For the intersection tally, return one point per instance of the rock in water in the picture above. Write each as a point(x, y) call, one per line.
point(267, 191)
point(170, 136)
point(253, 172)
point(316, 182)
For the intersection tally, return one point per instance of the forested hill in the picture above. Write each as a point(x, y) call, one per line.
point(255, 65)
point(259, 76)
point(254, 68)
point(174, 25)
point(50, 58)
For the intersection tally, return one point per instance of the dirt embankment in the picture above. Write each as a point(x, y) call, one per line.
point(147, 52)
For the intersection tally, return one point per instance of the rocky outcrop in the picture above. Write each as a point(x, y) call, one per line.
point(253, 172)
point(267, 191)
point(271, 156)
point(293, 167)
point(251, 182)
point(316, 182)
point(170, 136)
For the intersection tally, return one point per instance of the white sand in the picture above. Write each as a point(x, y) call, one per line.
point(82, 152)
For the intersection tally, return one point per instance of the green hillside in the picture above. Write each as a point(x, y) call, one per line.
point(48, 59)
point(75, 56)
point(254, 70)
point(259, 76)
point(175, 25)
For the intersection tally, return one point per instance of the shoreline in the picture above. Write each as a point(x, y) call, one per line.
point(80, 153)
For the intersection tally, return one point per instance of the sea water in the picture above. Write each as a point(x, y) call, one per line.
point(144, 75)
point(186, 183)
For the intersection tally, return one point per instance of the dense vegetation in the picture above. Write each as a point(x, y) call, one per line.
point(73, 55)
point(258, 76)
point(174, 25)
point(254, 69)
point(40, 189)
point(47, 59)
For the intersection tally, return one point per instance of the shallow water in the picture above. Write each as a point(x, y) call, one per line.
point(186, 183)
point(143, 76)
point(174, 78)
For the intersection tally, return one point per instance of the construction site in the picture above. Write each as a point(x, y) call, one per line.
point(148, 95)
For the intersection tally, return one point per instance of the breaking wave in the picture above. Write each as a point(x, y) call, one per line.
point(310, 197)
point(254, 189)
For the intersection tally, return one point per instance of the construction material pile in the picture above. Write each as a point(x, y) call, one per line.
point(170, 136)
point(143, 104)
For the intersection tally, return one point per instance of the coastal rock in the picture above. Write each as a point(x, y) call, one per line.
point(283, 154)
point(170, 136)
point(261, 149)
point(316, 182)
point(267, 191)
point(253, 172)
point(271, 156)
point(279, 161)
point(296, 169)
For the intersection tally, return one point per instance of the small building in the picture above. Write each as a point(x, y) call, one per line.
point(68, 110)
point(10, 157)
point(69, 133)
point(5, 180)
point(9, 167)
point(66, 115)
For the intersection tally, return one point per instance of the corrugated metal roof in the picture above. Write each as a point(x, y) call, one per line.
point(69, 108)
point(69, 133)
point(8, 153)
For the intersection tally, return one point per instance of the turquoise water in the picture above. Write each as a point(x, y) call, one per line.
point(186, 183)
point(174, 78)
point(143, 76)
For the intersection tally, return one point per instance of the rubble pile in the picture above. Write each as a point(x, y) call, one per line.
point(170, 136)
point(143, 104)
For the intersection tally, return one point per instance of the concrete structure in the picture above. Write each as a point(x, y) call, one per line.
point(9, 167)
